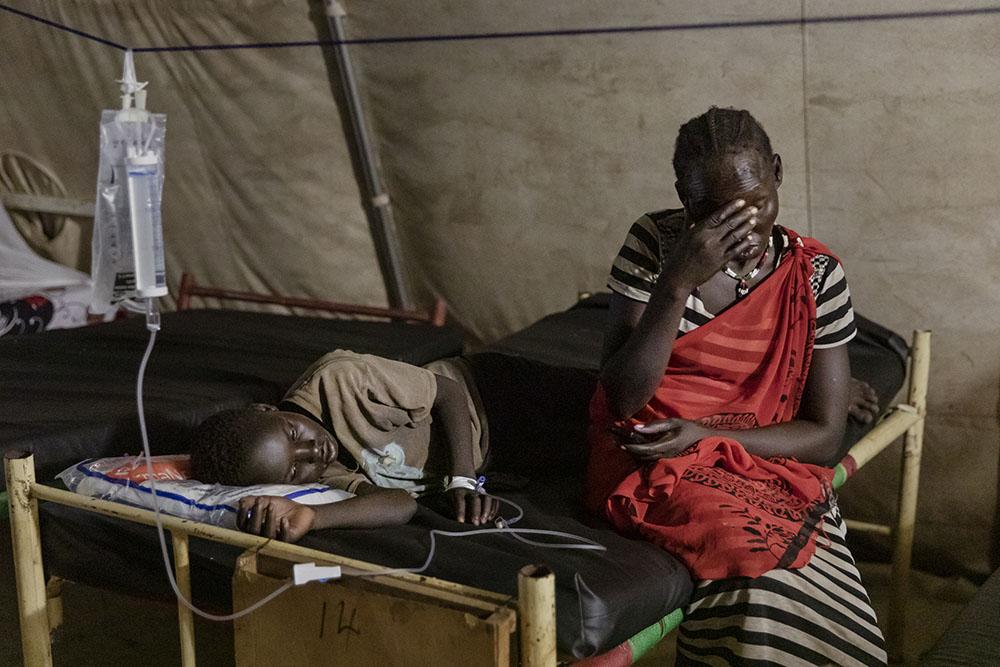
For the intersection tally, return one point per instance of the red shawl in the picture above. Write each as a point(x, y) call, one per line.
point(721, 510)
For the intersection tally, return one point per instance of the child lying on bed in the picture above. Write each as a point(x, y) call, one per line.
point(381, 429)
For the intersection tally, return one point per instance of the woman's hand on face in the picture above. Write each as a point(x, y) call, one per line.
point(707, 245)
point(663, 438)
point(274, 517)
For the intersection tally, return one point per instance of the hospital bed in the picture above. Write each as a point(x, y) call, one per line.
point(489, 592)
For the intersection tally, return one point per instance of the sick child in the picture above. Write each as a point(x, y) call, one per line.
point(381, 429)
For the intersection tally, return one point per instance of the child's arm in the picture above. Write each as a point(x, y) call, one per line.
point(451, 410)
point(287, 520)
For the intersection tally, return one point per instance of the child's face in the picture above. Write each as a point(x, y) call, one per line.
point(744, 176)
point(289, 448)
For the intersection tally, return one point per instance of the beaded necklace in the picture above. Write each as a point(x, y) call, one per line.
point(743, 282)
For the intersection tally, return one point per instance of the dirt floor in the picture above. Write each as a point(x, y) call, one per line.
point(102, 628)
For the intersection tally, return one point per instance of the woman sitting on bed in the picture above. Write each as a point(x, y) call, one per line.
point(381, 429)
point(722, 402)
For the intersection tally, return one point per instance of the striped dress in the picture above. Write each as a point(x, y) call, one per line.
point(819, 614)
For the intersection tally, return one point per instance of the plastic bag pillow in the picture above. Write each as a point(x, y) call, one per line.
point(124, 480)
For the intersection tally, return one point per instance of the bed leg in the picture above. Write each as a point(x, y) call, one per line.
point(536, 611)
point(54, 603)
point(27, 541)
point(182, 571)
point(907, 506)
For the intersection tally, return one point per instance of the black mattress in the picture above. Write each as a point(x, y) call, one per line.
point(68, 395)
point(568, 339)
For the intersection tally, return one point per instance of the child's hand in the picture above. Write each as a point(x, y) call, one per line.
point(473, 507)
point(274, 517)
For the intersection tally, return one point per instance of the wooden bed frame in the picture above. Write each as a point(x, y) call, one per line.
point(455, 624)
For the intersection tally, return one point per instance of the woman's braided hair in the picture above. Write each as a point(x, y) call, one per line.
point(716, 133)
point(219, 446)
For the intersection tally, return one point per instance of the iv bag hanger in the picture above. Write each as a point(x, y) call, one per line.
point(133, 91)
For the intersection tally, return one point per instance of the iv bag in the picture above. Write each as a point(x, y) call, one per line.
point(127, 252)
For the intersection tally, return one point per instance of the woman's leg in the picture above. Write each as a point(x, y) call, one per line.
point(819, 614)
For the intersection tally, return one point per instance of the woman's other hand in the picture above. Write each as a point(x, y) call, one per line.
point(863, 406)
point(473, 507)
point(707, 245)
point(274, 517)
point(664, 438)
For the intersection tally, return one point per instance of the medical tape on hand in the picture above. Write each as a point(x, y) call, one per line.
point(461, 482)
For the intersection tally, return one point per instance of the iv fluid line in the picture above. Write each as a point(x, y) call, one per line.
point(505, 527)
point(153, 326)
point(513, 532)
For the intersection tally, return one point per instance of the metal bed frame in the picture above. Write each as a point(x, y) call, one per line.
point(511, 632)
point(190, 288)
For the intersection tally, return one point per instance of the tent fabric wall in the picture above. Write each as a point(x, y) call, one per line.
point(522, 162)
point(260, 191)
point(903, 144)
point(516, 165)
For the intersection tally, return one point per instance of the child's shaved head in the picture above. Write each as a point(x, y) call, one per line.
point(220, 446)
point(261, 445)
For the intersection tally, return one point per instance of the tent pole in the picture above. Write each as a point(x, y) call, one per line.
point(379, 207)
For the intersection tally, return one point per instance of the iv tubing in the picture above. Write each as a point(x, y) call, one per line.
point(153, 326)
